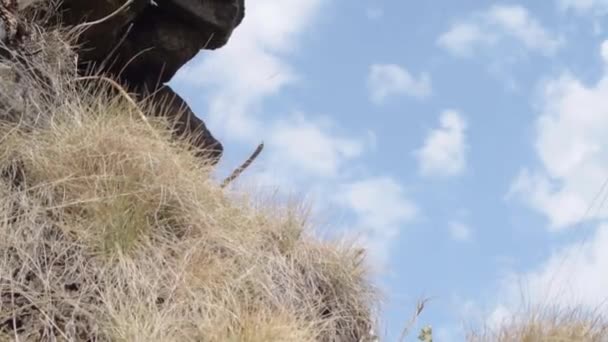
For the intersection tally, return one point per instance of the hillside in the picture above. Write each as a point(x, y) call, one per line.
point(112, 227)
point(112, 230)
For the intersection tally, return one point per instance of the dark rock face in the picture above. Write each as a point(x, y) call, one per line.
point(186, 123)
point(217, 16)
point(145, 45)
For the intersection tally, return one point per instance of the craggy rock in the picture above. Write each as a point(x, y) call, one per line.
point(186, 123)
point(147, 43)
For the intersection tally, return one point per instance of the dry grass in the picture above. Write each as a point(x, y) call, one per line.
point(112, 231)
point(547, 325)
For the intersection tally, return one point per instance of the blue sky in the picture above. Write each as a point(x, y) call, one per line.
point(464, 143)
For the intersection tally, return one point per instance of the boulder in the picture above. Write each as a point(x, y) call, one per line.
point(145, 45)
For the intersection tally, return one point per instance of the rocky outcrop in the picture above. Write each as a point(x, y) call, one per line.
point(145, 44)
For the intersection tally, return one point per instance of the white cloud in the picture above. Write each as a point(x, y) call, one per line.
point(604, 50)
point(517, 22)
point(487, 29)
point(459, 231)
point(572, 146)
point(563, 206)
point(311, 147)
point(382, 210)
point(572, 278)
point(585, 6)
point(386, 80)
point(251, 67)
point(444, 150)
point(463, 38)
point(575, 275)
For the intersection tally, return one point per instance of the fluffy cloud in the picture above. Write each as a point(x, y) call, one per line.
point(498, 23)
point(572, 146)
point(585, 6)
point(567, 186)
point(572, 278)
point(382, 209)
point(386, 80)
point(463, 38)
point(312, 147)
point(459, 231)
point(252, 66)
point(444, 150)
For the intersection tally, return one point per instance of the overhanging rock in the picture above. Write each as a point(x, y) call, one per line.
point(146, 44)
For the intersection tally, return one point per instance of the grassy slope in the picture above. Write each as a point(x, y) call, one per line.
point(112, 231)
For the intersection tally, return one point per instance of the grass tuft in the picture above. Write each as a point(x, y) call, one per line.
point(547, 325)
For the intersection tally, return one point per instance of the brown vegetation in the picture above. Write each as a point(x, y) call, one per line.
point(112, 231)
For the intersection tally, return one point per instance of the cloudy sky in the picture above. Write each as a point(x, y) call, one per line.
point(465, 143)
